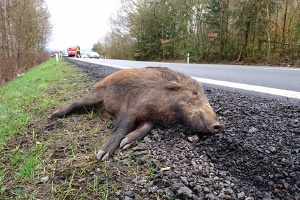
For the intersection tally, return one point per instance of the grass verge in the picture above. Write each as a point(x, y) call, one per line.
point(29, 94)
point(55, 159)
point(41, 158)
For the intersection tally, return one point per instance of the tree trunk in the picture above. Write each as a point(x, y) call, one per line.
point(284, 26)
point(245, 43)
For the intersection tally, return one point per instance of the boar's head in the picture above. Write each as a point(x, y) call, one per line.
point(190, 105)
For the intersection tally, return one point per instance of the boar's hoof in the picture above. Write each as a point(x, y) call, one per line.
point(102, 155)
point(124, 144)
point(52, 116)
point(55, 114)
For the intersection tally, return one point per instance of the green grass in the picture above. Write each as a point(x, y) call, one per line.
point(33, 147)
point(23, 102)
point(26, 95)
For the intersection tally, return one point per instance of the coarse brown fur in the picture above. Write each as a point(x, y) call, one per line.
point(142, 97)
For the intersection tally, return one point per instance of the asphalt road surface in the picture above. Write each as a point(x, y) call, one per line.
point(278, 81)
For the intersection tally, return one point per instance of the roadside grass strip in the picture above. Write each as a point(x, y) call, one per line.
point(24, 102)
point(44, 158)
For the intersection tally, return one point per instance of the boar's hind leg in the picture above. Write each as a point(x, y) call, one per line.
point(136, 135)
point(91, 99)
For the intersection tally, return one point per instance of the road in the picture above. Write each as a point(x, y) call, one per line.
point(282, 81)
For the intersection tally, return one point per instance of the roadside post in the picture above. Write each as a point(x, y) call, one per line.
point(56, 56)
point(188, 58)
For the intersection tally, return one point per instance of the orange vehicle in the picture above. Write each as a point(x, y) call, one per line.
point(71, 51)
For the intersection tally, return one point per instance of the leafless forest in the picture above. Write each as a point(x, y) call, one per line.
point(24, 32)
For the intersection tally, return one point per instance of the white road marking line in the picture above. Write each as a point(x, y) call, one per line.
point(261, 89)
point(283, 68)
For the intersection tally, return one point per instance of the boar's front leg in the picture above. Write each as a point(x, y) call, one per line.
point(137, 134)
point(123, 127)
point(115, 140)
point(91, 99)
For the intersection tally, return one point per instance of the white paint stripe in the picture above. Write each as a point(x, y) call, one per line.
point(282, 68)
point(267, 90)
point(107, 64)
point(117, 66)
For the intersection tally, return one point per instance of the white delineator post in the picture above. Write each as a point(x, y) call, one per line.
point(56, 56)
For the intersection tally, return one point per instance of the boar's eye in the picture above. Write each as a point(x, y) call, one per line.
point(195, 92)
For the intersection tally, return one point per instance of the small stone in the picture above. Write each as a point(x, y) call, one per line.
point(177, 185)
point(272, 149)
point(221, 195)
point(129, 193)
point(44, 179)
point(184, 180)
point(118, 193)
point(210, 197)
point(152, 189)
point(258, 179)
point(229, 191)
point(185, 191)
point(270, 183)
point(160, 192)
point(253, 130)
point(241, 195)
point(169, 192)
point(147, 139)
point(206, 190)
point(194, 138)
point(190, 139)
point(139, 153)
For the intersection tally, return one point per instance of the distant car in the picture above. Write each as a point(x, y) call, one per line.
point(84, 55)
point(65, 54)
point(94, 55)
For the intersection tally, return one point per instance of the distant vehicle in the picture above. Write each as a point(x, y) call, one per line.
point(71, 51)
point(84, 55)
point(94, 55)
point(65, 54)
point(87, 53)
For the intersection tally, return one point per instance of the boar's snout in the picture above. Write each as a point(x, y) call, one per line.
point(205, 121)
point(216, 128)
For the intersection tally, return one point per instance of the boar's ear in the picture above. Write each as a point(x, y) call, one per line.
point(172, 85)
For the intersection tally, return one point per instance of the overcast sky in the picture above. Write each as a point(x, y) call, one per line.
point(79, 22)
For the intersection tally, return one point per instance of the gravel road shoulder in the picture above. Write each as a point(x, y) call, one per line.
point(256, 157)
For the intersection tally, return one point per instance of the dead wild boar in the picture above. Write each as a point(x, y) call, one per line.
point(140, 98)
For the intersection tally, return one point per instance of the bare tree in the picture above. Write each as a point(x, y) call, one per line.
point(24, 32)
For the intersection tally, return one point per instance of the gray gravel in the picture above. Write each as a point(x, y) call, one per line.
point(256, 157)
